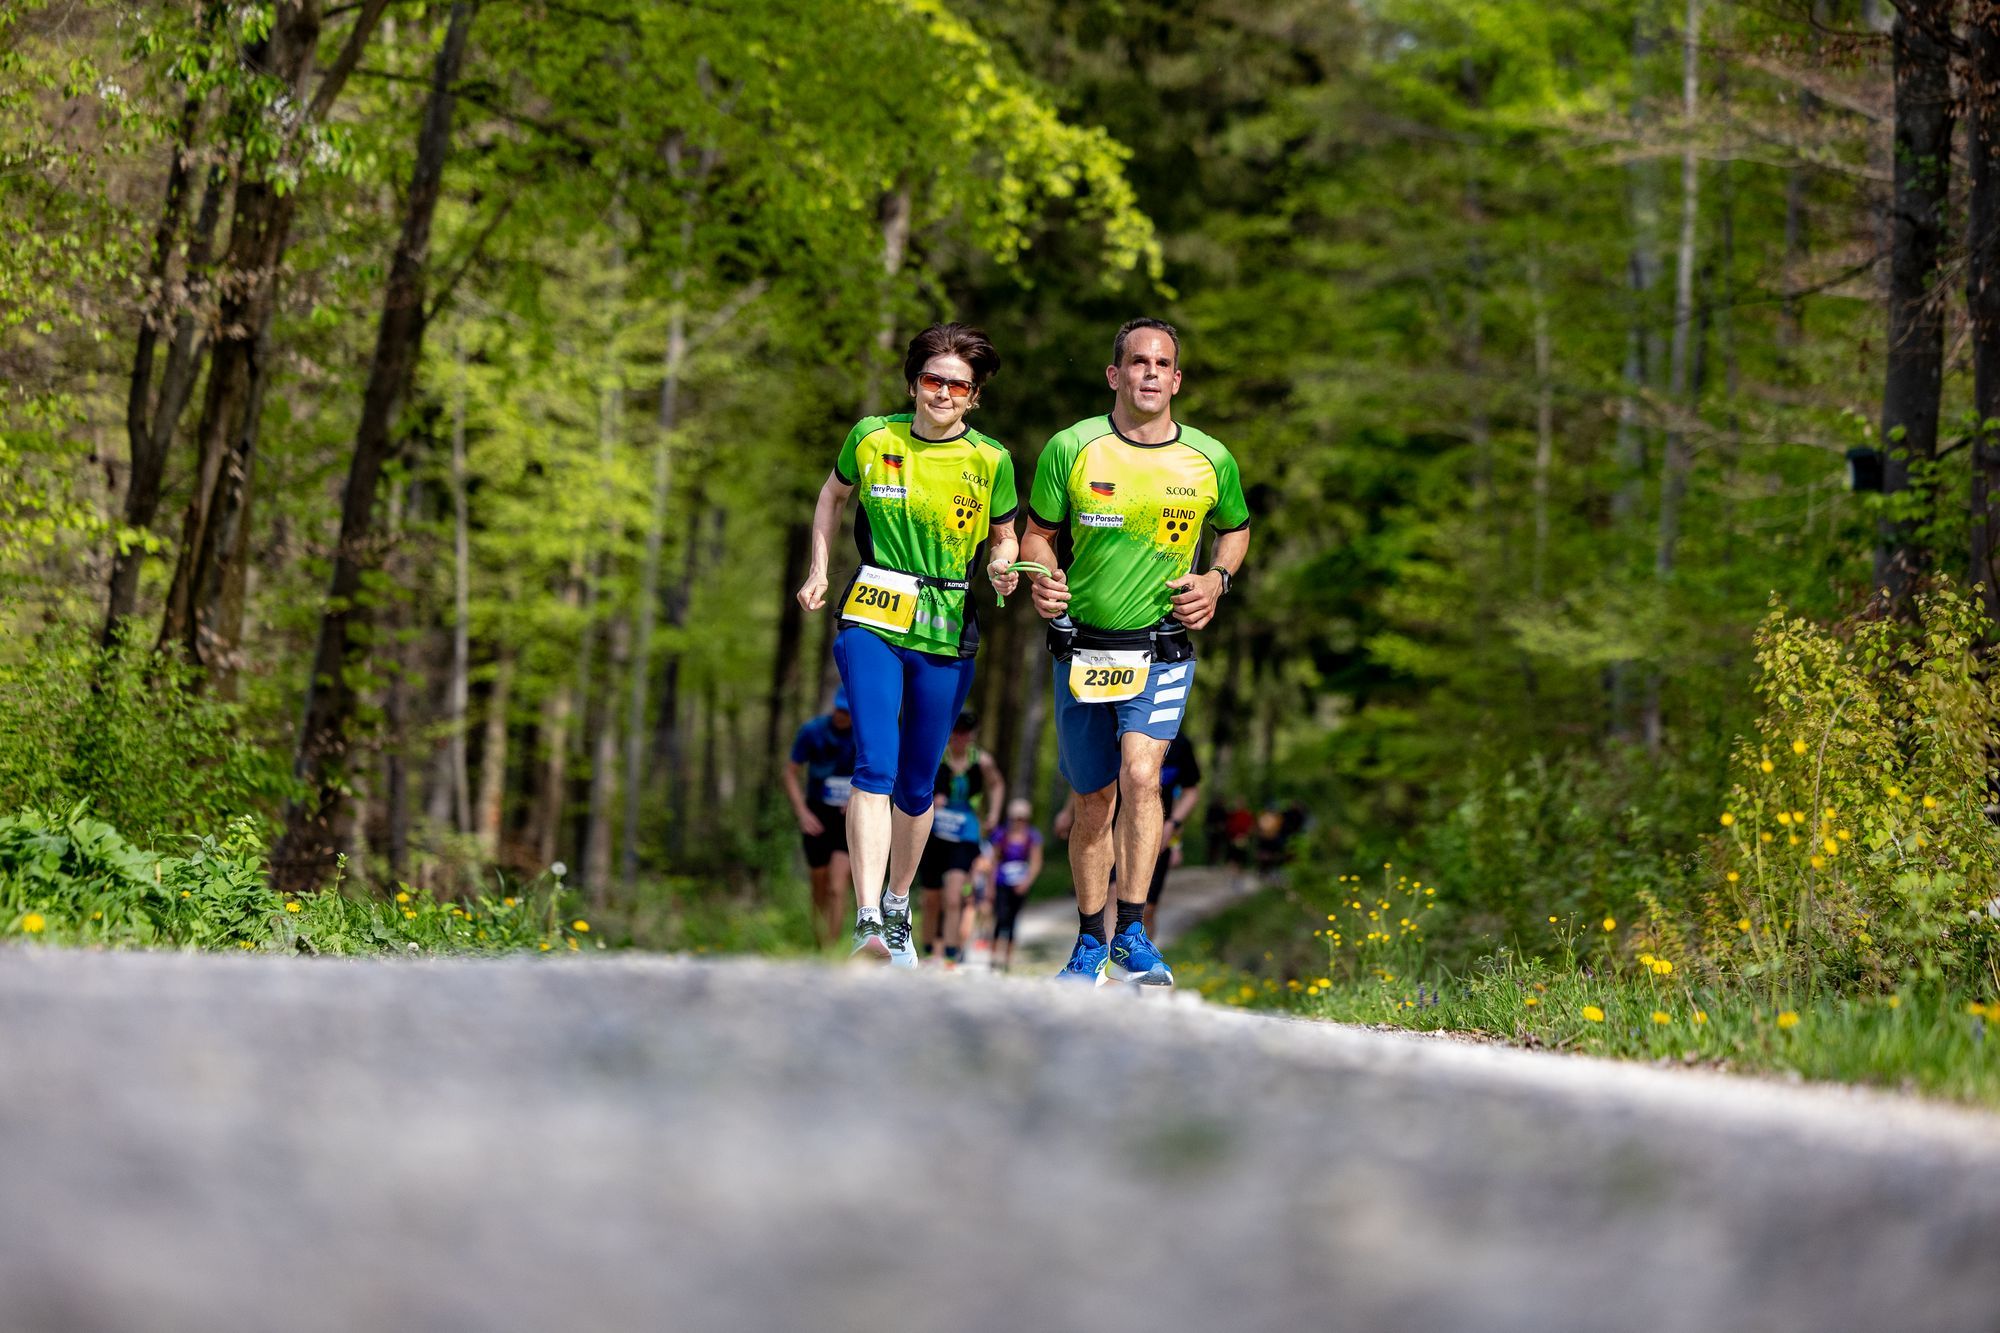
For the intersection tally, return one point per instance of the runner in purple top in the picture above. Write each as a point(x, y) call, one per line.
point(1017, 853)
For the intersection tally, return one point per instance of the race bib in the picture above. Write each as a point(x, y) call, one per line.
point(1012, 873)
point(835, 790)
point(882, 598)
point(949, 825)
point(1108, 677)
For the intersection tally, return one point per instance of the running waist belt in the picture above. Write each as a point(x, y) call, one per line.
point(1167, 641)
point(887, 598)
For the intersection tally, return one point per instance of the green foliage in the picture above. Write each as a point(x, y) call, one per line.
point(1856, 850)
point(123, 733)
point(73, 880)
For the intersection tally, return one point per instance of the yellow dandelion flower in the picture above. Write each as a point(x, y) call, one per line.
point(186, 894)
point(580, 926)
point(1832, 847)
point(1727, 819)
point(408, 915)
point(1816, 862)
point(97, 916)
point(1593, 1014)
point(1531, 1001)
point(545, 946)
point(33, 923)
point(1894, 792)
point(1552, 921)
point(1646, 960)
point(1699, 1017)
point(1798, 747)
point(1330, 916)
point(1844, 835)
point(1767, 766)
point(1798, 816)
point(1792, 840)
point(293, 907)
point(1732, 877)
point(1743, 924)
point(1788, 1020)
point(1894, 1001)
point(1930, 802)
point(1662, 1016)
point(1764, 837)
point(402, 895)
point(1831, 813)
point(1784, 817)
point(506, 902)
point(1610, 923)
point(1430, 893)
point(1663, 967)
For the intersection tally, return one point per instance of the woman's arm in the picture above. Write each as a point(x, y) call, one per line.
point(1004, 551)
point(826, 517)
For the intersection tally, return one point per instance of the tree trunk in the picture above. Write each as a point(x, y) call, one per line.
point(673, 738)
point(649, 574)
point(458, 691)
point(489, 809)
point(785, 664)
point(396, 759)
point(1641, 342)
point(302, 858)
point(150, 419)
point(597, 843)
point(1915, 378)
point(264, 205)
point(1678, 459)
point(1545, 425)
point(1982, 297)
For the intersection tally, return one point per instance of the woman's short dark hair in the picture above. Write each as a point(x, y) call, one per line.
point(960, 340)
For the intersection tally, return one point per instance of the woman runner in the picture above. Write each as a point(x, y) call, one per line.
point(932, 492)
point(1017, 847)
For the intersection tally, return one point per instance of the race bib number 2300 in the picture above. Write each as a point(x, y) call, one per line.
point(1108, 677)
point(882, 598)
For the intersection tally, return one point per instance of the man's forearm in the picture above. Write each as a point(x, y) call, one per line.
point(1230, 550)
point(1036, 547)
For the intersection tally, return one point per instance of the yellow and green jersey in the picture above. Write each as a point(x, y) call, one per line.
point(925, 509)
point(1132, 515)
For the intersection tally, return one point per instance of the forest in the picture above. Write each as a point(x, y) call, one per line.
point(414, 411)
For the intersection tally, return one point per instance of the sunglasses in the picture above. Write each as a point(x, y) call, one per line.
point(930, 383)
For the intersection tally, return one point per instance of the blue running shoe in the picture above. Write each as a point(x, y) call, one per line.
point(1086, 962)
point(1134, 959)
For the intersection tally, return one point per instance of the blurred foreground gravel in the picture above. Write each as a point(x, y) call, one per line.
point(222, 1144)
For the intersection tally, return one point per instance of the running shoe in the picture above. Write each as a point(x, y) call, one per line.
point(896, 933)
point(1134, 959)
point(869, 945)
point(1086, 962)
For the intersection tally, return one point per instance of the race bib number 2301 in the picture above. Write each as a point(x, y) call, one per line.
point(882, 598)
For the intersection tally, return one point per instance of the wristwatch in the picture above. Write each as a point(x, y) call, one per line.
point(1225, 578)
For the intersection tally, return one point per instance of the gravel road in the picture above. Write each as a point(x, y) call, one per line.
point(218, 1144)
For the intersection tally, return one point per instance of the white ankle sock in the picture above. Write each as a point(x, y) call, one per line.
point(868, 914)
point(893, 902)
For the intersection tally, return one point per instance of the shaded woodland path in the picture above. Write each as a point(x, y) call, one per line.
point(216, 1144)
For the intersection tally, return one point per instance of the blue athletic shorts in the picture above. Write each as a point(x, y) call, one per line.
point(1087, 746)
point(903, 703)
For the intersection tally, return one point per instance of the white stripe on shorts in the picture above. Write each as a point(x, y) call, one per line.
point(1163, 715)
point(1177, 692)
point(1172, 674)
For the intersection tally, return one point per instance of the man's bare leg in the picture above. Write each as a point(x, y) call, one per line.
point(825, 924)
point(834, 908)
point(1141, 818)
point(1090, 851)
point(906, 849)
point(868, 837)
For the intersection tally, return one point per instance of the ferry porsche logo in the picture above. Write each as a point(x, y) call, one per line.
point(1178, 526)
point(1103, 487)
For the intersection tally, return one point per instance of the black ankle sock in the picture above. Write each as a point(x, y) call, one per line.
point(1129, 914)
point(1091, 924)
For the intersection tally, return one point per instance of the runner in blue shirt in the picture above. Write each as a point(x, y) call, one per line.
point(823, 752)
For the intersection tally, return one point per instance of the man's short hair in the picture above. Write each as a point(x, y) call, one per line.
point(1132, 326)
point(960, 340)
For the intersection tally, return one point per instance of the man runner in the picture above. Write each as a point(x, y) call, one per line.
point(824, 751)
point(1126, 495)
point(968, 785)
point(1180, 792)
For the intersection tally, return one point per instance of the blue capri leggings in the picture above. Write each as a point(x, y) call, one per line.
point(903, 703)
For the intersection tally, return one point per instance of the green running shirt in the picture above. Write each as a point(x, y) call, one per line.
point(1134, 514)
point(925, 509)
